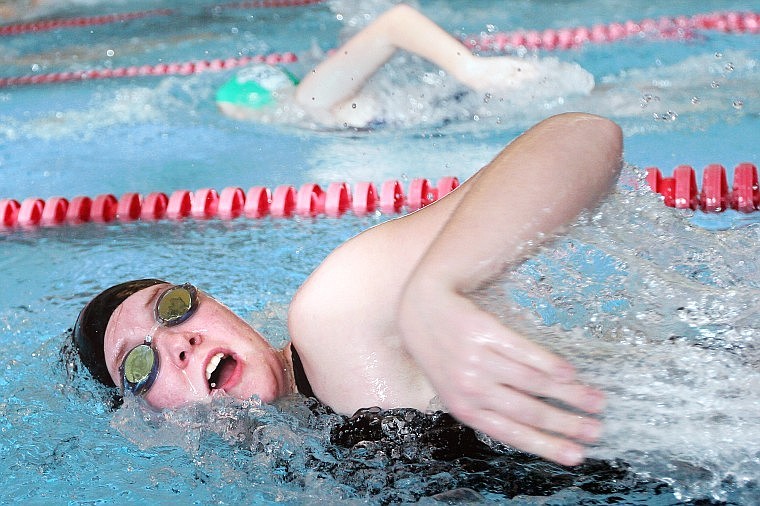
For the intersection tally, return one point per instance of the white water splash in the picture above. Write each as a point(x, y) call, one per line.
point(665, 318)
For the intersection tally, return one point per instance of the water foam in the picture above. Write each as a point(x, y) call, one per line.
point(664, 317)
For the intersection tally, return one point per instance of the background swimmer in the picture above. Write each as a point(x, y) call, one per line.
point(386, 319)
point(331, 93)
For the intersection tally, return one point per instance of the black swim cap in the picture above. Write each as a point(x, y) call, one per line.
point(90, 328)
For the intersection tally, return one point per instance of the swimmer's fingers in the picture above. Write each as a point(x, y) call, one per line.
point(527, 438)
point(526, 379)
point(537, 414)
point(513, 347)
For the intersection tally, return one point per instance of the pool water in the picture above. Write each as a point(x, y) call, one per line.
point(657, 307)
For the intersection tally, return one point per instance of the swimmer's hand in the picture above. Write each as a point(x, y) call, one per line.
point(495, 74)
point(531, 77)
point(491, 378)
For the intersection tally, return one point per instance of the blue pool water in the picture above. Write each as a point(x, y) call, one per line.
point(657, 307)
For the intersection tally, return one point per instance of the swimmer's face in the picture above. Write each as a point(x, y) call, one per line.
point(250, 365)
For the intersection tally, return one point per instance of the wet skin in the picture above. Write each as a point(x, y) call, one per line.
point(251, 367)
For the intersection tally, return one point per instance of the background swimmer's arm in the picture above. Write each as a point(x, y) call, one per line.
point(487, 375)
point(340, 77)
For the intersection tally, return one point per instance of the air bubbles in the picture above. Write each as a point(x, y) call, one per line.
point(737, 104)
point(729, 67)
point(668, 116)
point(110, 53)
point(648, 98)
point(695, 100)
point(715, 85)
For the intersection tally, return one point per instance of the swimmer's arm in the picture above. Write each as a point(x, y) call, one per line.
point(539, 183)
point(340, 77)
point(487, 375)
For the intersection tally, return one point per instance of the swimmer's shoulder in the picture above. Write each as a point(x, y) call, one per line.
point(342, 321)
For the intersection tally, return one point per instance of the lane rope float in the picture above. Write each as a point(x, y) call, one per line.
point(162, 69)
point(311, 200)
point(82, 22)
point(664, 27)
point(284, 201)
point(681, 191)
point(567, 38)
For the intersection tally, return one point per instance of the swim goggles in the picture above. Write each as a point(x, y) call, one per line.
point(140, 367)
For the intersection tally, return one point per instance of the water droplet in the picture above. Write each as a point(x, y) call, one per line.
point(647, 98)
point(353, 106)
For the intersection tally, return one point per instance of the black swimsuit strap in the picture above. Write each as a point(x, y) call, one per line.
point(302, 382)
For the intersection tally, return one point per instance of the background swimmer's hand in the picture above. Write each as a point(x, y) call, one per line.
point(491, 378)
point(537, 77)
point(495, 74)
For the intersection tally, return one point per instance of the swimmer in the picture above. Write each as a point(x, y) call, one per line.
point(330, 93)
point(386, 320)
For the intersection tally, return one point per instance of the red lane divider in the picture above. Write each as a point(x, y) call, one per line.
point(79, 22)
point(666, 27)
point(310, 200)
point(162, 69)
point(680, 191)
point(267, 4)
point(53, 24)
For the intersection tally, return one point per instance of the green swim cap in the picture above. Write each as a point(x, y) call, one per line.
point(255, 86)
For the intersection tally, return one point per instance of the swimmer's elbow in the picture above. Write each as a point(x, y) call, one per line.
point(606, 136)
point(609, 133)
point(315, 105)
point(611, 141)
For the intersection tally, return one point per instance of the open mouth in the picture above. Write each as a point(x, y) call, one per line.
point(219, 370)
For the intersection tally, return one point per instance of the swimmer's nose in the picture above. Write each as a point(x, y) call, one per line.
point(179, 348)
